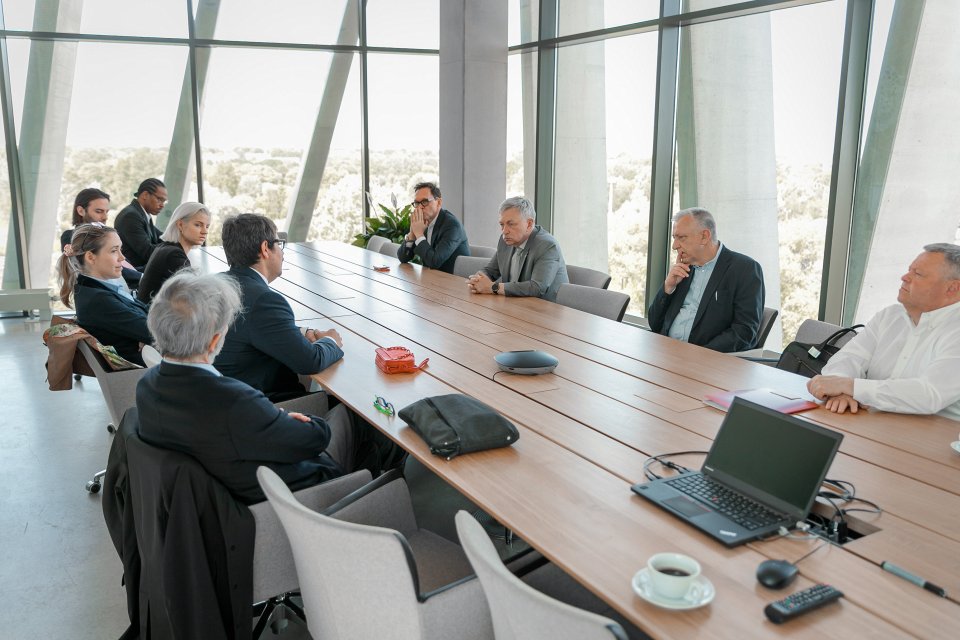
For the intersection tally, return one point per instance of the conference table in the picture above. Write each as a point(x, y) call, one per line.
point(618, 396)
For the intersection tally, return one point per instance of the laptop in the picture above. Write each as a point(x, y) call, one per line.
point(763, 472)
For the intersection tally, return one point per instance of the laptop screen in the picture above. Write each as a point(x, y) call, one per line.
point(776, 458)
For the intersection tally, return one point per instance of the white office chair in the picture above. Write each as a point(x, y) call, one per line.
point(384, 578)
point(375, 242)
point(519, 611)
point(600, 302)
point(480, 251)
point(587, 277)
point(466, 266)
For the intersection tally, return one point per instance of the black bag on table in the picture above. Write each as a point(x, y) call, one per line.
point(809, 359)
point(455, 424)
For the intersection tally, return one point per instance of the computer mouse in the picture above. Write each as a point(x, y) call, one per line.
point(776, 574)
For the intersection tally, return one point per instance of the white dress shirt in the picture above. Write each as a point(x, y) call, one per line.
point(899, 367)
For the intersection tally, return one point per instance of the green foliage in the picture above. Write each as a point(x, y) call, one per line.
point(394, 224)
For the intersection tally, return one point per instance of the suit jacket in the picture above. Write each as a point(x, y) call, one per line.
point(728, 317)
point(264, 346)
point(185, 543)
point(542, 269)
point(231, 429)
point(447, 241)
point(111, 318)
point(138, 235)
point(166, 260)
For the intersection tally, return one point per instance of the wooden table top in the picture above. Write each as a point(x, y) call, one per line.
point(619, 395)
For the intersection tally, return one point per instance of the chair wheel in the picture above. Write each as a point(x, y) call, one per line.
point(279, 626)
point(111, 428)
point(93, 486)
point(77, 377)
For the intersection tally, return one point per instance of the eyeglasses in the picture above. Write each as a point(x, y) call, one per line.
point(277, 241)
point(159, 199)
point(384, 407)
point(419, 204)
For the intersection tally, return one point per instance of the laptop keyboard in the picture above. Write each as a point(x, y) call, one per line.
point(748, 513)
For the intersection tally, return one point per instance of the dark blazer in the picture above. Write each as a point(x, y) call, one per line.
point(728, 318)
point(166, 260)
point(447, 241)
point(139, 236)
point(132, 276)
point(185, 543)
point(111, 318)
point(231, 429)
point(264, 346)
point(542, 270)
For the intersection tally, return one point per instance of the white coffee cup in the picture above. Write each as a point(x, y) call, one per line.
point(674, 575)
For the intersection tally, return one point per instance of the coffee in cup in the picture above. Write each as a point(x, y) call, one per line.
point(673, 575)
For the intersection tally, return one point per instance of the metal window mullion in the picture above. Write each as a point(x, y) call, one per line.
point(195, 100)
point(364, 118)
point(546, 115)
point(13, 163)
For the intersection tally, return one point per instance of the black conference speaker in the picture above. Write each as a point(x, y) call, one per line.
point(527, 363)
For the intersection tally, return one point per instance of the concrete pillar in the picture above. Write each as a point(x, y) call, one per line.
point(731, 81)
point(43, 136)
point(580, 194)
point(181, 157)
point(473, 113)
point(916, 195)
point(307, 189)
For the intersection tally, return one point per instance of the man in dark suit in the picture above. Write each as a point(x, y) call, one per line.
point(135, 224)
point(186, 405)
point(264, 347)
point(435, 234)
point(712, 296)
point(528, 261)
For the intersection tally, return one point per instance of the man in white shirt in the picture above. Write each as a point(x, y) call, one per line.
point(907, 358)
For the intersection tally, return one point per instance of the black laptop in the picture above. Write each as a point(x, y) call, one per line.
point(763, 472)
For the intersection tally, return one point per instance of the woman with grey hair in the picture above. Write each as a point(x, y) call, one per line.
point(187, 229)
point(186, 405)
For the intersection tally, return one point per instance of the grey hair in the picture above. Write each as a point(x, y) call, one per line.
point(521, 204)
point(184, 212)
point(703, 217)
point(951, 254)
point(189, 310)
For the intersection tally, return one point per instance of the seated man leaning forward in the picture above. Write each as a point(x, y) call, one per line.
point(264, 347)
point(435, 234)
point(528, 260)
point(186, 405)
point(907, 359)
point(712, 296)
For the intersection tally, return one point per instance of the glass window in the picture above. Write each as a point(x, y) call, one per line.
point(521, 124)
point(304, 21)
point(413, 23)
point(523, 20)
point(577, 16)
point(157, 18)
point(603, 141)
point(404, 131)
point(755, 131)
point(82, 135)
point(9, 265)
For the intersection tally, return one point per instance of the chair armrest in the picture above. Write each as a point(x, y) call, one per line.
point(385, 502)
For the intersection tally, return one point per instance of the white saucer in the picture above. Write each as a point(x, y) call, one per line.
point(956, 446)
point(641, 587)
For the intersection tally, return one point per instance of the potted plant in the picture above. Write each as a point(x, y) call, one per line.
point(394, 224)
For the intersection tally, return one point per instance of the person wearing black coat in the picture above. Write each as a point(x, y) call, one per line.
point(436, 236)
point(135, 225)
point(187, 229)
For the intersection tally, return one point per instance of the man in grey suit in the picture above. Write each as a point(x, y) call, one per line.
point(435, 234)
point(528, 260)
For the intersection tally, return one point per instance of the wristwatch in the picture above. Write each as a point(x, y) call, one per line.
point(495, 288)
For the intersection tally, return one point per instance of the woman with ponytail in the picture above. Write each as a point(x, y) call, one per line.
point(88, 274)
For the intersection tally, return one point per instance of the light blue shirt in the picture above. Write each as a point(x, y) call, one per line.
point(683, 323)
point(199, 365)
point(117, 284)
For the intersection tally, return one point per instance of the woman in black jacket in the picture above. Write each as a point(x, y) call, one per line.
point(187, 229)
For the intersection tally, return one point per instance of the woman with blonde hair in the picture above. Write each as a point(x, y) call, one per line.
point(105, 308)
point(187, 229)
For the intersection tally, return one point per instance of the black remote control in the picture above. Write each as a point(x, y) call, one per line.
point(797, 604)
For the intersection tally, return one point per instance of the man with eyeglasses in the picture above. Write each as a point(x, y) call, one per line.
point(712, 296)
point(134, 223)
point(264, 347)
point(435, 234)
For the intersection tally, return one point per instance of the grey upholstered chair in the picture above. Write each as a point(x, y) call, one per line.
point(519, 611)
point(384, 578)
point(274, 572)
point(466, 266)
point(814, 331)
point(390, 249)
point(587, 277)
point(375, 242)
point(480, 251)
point(600, 302)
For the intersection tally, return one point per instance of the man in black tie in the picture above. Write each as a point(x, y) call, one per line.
point(528, 260)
